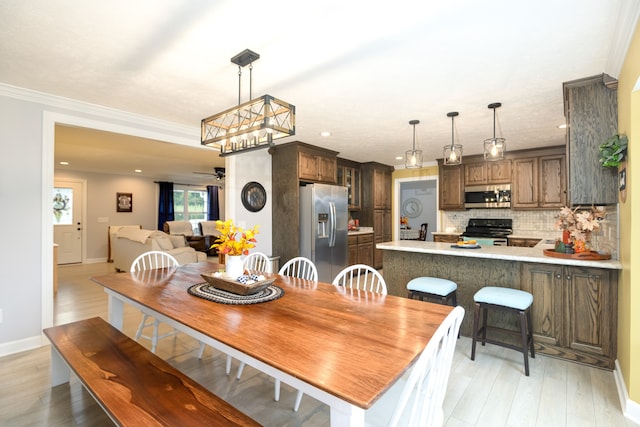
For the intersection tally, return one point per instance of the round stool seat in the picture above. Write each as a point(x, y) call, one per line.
point(506, 297)
point(432, 285)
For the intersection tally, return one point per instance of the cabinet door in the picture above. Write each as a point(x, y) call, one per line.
point(365, 250)
point(475, 174)
point(524, 193)
point(381, 189)
point(591, 307)
point(327, 169)
point(307, 167)
point(544, 282)
point(451, 187)
point(553, 180)
point(592, 116)
point(499, 172)
point(353, 250)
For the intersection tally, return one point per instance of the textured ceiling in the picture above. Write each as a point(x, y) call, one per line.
point(360, 70)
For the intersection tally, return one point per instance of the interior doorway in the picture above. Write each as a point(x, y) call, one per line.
point(417, 201)
point(68, 220)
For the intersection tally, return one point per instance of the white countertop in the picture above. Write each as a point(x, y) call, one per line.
point(511, 253)
point(362, 230)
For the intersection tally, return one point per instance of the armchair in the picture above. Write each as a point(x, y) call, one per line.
point(184, 228)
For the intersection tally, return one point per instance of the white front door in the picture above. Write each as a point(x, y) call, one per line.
point(67, 225)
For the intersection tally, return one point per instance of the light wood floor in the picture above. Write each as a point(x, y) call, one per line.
point(492, 391)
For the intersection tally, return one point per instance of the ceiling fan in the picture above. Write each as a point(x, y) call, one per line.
point(219, 173)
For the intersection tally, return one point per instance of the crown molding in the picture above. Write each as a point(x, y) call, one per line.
point(624, 29)
point(138, 120)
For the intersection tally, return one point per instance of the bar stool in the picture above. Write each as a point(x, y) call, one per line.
point(510, 300)
point(442, 290)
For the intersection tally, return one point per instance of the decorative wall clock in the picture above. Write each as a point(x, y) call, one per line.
point(254, 196)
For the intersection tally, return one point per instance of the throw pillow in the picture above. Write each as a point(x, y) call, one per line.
point(178, 241)
point(162, 240)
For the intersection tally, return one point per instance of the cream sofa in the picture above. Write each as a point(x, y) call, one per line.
point(128, 243)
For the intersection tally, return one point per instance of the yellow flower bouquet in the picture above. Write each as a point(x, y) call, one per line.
point(234, 240)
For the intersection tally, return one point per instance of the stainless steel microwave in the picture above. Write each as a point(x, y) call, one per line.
point(487, 196)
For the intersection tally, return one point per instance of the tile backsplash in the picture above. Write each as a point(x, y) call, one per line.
point(539, 223)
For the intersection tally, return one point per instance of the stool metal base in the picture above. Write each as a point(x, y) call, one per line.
point(526, 331)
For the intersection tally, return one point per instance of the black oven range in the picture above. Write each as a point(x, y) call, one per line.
point(489, 231)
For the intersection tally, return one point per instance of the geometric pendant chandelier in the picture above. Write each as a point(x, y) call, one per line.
point(413, 157)
point(251, 125)
point(453, 152)
point(494, 148)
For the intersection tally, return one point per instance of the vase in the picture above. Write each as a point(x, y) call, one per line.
point(234, 266)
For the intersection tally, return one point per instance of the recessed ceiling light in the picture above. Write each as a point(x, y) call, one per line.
point(138, 171)
point(64, 163)
point(399, 158)
point(562, 126)
point(325, 133)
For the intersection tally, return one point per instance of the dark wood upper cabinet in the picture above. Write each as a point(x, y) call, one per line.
point(591, 111)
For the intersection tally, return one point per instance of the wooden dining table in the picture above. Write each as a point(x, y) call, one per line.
point(343, 347)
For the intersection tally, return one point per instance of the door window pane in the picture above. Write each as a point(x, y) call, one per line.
point(62, 206)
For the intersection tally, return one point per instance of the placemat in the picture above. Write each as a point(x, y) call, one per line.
point(208, 292)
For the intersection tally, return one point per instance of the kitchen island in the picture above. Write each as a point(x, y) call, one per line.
point(575, 301)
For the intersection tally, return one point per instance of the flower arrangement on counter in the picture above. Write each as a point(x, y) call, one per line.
point(577, 226)
point(234, 240)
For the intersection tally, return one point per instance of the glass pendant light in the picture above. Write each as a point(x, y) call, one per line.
point(494, 148)
point(453, 152)
point(413, 157)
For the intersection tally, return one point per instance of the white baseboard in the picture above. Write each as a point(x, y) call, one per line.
point(94, 260)
point(630, 409)
point(25, 344)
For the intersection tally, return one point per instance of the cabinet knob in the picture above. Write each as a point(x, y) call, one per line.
point(558, 276)
point(568, 277)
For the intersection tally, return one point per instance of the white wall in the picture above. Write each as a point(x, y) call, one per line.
point(101, 203)
point(26, 180)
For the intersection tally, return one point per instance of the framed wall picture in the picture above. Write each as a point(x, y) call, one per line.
point(124, 202)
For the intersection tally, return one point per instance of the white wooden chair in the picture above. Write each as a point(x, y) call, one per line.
point(302, 268)
point(148, 261)
point(416, 399)
point(363, 277)
point(257, 261)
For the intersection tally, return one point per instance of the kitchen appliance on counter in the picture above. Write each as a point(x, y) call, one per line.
point(323, 228)
point(487, 196)
point(489, 232)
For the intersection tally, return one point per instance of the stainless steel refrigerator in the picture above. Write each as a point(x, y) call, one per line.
point(323, 228)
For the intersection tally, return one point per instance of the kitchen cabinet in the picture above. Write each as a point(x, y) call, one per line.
point(376, 204)
point(522, 242)
point(349, 176)
point(361, 249)
point(539, 182)
point(315, 167)
point(487, 173)
point(574, 311)
point(292, 164)
point(591, 112)
point(450, 187)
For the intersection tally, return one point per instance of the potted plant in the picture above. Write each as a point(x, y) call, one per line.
point(233, 242)
point(613, 151)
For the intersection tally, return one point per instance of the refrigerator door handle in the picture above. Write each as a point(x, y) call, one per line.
point(332, 224)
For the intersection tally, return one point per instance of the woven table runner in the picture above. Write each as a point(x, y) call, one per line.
point(208, 292)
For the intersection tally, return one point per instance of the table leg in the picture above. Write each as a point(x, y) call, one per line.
point(116, 311)
point(60, 372)
point(353, 416)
